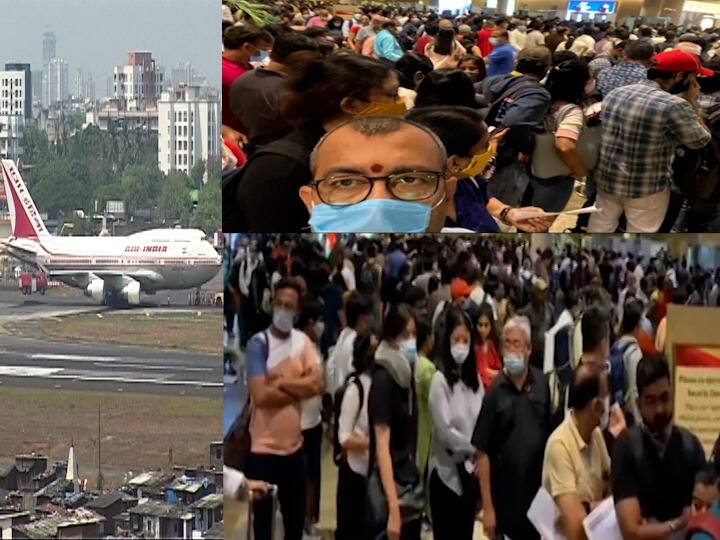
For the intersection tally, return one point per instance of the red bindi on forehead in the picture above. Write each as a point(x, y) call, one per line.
point(376, 168)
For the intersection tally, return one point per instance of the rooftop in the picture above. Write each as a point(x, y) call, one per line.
point(214, 500)
point(159, 509)
point(188, 486)
point(106, 500)
point(149, 478)
point(216, 532)
point(48, 527)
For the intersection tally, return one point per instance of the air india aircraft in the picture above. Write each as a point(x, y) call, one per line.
point(111, 270)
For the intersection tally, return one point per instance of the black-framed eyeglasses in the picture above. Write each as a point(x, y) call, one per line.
point(345, 189)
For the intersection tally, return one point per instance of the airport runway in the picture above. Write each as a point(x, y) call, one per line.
point(41, 363)
point(27, 362)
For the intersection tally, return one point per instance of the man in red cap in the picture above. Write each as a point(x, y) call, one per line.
point(642, 125)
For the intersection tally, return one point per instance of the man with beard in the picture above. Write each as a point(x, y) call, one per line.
point(642, 125)
point(654, 464)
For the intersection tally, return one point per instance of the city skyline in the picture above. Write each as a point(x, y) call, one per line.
point(76, 23)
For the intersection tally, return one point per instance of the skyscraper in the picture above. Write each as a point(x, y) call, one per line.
point(56, 87)
point(49, 41)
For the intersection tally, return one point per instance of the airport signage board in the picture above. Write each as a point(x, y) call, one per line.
point(693, 346)
point(591, 7)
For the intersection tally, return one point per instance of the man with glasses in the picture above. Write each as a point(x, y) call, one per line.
point(378, 174)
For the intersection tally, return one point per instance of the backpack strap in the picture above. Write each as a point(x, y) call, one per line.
point(494, 107)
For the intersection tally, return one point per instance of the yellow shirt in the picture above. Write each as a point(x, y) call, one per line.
point(573, 466)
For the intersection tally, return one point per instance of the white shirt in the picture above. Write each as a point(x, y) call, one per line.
point(349, 276)
point(351, 423)
point(453, 414)
point(339, 365)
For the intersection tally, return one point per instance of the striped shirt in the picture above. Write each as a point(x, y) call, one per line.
point(641, 127)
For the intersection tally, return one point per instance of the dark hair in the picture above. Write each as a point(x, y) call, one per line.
point(446, 87)
point(408, 65)
point(289, 283)
point(468, 372)
point(707, 476)
point(571, 299)
point(235, 37)
point(639, 49)
point(335, 23)
point(632, 313)
point(432, 28)
point(423, 331)
point(566, 82)
point(316, 92)
point(444, 41)
point(459, 128)
point(396, 321)
point(311, 311)
point(584, 387)
point(363, 357)
point(291, 42)
point(355, 307)
point(485, 310)
point(315, 32)
point(646, 32)
point(479, 63)
point(563, 56)
point(651, 370)
point(595, 327)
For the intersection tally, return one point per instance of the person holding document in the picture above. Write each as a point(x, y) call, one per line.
point(576, 468)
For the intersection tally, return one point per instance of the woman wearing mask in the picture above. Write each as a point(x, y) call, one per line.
point(395, 489)
point(469, 150)
point(568, 85)
point(354, 437)
point(322, 96)
point(487, 357)
point(455, 400)
point(412, 68)
point(474, 67)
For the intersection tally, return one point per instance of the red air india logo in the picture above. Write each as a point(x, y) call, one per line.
point(145, 249)
point(27, 223)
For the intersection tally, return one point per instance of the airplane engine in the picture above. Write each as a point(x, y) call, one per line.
point(131, 293)
point(96, 290)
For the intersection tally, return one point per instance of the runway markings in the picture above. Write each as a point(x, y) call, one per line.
point(27, 371)
point(146, 367)
point(74, 357)
point(56, 373)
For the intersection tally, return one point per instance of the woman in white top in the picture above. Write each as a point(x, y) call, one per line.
point(354, 438)
point(455, 399)
point(445, 52)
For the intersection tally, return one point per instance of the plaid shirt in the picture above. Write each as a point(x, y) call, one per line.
point(601, 62)
point(620, 75)
point(641, 126)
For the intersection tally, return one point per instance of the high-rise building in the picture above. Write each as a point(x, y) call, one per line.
point(188, 127)
point(16, 90)
point(49, 42)
point(15, 108)
point(138, 84)
point(83, 85)
point(37, 77)
point(185, 73)
point(56, 82)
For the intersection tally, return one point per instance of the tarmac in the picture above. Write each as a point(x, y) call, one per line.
point(43, 363)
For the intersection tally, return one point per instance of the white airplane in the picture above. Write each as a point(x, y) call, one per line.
point(111, 270)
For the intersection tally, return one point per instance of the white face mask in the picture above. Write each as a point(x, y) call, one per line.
point(319, 329)
point(605, 418)
point(460, 352)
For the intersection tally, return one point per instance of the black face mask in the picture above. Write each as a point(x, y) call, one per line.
point(680, 87)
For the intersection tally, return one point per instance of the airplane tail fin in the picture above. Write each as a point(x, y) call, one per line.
point(24, 216)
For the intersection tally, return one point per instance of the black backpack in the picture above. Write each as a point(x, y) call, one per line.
point(232, 218)
point(353, 378)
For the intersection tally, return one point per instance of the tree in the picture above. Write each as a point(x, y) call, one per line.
point(197, 172)
point(35, 145)
point(174, 199)
point(214, 167)
point(140, 186)
point(207, 212)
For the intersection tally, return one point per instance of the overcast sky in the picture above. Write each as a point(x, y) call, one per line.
point(95, 35)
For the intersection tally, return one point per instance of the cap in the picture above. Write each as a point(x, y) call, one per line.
point(464, 30)
point(459, 288)
point(692, 48)
point(536, 55)
point(681, 62)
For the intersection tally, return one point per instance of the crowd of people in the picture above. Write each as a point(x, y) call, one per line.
point(459, 375)
point(401, 120)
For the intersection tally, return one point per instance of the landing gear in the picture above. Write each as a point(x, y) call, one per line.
point(114, 300)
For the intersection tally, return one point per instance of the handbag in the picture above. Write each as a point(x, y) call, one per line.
point(546, 162)
point(411, 498)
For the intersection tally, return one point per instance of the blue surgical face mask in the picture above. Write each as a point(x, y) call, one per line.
point(283, 319)
point(409, 349)
point(371, 216)
point(260, 57)
point(494, 41)
point(513, 364)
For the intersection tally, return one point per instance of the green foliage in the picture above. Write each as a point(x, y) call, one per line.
point(197, 172)
point(207, 212)
point(174, 200)
point(255, 13)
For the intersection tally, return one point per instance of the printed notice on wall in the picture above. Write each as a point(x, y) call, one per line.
point(697, 392)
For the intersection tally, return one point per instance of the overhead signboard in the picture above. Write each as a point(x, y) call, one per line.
point(591, 7)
